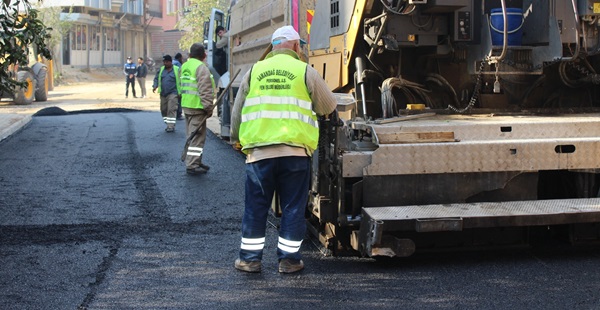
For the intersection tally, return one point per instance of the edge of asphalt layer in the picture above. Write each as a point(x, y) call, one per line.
point(56, 111)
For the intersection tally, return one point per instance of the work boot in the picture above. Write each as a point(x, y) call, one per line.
point(205, 167)
point(195, 171)
point(170, 129)
point(288, 265)
point(253, 267)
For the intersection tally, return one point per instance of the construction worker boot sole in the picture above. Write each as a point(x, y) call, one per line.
point(252, 267)
point(290, 265)
point(195, 171)
point(205, 167)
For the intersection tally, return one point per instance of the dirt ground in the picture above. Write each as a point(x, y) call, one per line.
point(99, 88)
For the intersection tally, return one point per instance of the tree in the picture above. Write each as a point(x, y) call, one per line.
point(20, 30)
point(59, 28)
point(196, 14)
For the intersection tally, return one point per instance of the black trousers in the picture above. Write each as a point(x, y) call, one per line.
point(127, 82)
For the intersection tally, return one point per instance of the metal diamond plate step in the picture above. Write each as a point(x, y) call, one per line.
point(456, 217)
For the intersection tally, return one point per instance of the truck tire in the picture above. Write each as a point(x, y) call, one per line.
point(25, 95)
point(41, 91)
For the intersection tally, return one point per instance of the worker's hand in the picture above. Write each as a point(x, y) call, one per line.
point(237, 146)
point(209, 110)
point(154, 89)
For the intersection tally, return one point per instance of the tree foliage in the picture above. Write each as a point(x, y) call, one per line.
point(20, 31)
point(195, 15)
point(58, 28)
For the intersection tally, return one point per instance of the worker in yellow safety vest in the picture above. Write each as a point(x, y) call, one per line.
point(197, 96)
point(274, 122)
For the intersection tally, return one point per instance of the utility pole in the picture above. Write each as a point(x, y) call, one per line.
point(145, 25)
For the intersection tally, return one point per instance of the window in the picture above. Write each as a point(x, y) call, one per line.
point(73, 39)
point(95, 38)
point(335, 14)
point(112, 39)
point(170, 6)
point(79, 37)
point(154, 8)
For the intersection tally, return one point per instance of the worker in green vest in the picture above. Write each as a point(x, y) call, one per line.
point(274, 121)
point(167, 83)
point(197, 96)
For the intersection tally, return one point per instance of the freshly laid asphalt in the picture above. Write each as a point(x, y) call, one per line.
point(97, 212)
point(13, 122)
point(94, 214)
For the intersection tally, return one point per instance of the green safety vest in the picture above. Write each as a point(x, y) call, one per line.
point(189, 84)
point(176, 70)
point(278, 107)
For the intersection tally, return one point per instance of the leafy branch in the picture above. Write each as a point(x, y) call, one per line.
point(195, 15)
point(20, 30)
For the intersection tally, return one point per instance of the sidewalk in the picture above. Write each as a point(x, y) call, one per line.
point(11, 123)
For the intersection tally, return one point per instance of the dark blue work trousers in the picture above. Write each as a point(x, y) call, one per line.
point(289, 176)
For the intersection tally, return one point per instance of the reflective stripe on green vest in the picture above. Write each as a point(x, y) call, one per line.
point(278, 108)
point(190, 98)
point(176, 70)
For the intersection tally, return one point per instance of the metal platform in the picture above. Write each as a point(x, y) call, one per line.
point(457, 217)
point(473, 144)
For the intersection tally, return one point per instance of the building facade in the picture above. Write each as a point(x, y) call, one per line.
point(166, 41)
point(105, 32)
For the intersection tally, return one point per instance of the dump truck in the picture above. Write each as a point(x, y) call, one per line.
point(460, 123)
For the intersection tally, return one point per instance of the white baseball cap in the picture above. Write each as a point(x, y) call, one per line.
point(285, 33)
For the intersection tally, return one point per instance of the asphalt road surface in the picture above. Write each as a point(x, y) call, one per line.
point(96, 212)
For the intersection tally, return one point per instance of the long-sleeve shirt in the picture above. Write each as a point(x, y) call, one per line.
point(222, 42)
point(167, 80)
point(142, 70)
point(205, 90)
point(323, 103)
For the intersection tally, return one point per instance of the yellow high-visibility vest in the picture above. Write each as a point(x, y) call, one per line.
point(190, 97)
point(176, 71)
point(278, 107)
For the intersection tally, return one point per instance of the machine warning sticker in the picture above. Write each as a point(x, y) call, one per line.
point(596, 8)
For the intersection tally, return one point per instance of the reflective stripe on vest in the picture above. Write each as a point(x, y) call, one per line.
point(278, 108)
point(190, 98)
point(176, 71)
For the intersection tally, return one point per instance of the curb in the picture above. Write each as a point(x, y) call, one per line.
point(15, 123)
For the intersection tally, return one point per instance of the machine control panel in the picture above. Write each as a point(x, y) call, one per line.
point(463, 25)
